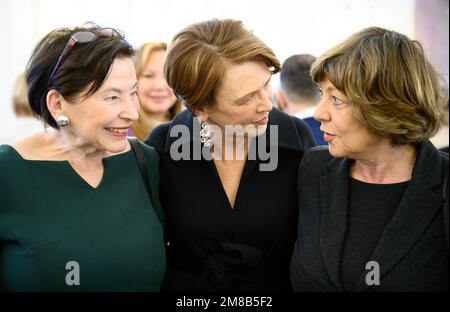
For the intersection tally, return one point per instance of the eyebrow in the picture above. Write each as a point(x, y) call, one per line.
point(330, 88)
point(118, 90)
point(242, 99)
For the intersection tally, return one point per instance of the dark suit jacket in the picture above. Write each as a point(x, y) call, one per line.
point(412, 251)
point(215, 247)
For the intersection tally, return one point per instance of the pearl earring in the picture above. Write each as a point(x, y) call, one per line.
point(62, 120)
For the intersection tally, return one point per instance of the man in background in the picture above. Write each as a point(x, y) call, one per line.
point(299, 94)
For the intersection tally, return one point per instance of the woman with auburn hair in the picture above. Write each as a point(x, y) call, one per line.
point(231, 217)
point(158, 104)
point(373, 205)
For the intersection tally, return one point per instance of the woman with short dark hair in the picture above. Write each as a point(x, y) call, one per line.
point(75, 214)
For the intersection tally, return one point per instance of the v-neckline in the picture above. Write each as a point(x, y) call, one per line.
point(72, 169)
point(84, 181)
point(248, 166)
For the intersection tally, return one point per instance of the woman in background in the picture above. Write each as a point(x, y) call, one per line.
point(158, 104)
point(25, 122)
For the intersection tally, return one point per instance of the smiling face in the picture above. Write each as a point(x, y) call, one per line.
point(244, 98)
point(102, 119)
point(346, 137)
point(155, 95)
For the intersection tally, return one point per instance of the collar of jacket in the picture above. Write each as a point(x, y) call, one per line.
point(428, 162)
point(288, 136)
point(421, 201)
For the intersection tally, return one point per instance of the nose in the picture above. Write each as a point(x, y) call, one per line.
point(321, 113)
point(160, 83)
point(265, 104)
point(130, 108)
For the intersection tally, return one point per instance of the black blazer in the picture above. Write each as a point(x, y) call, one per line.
point(214, 247)
point(412, 251)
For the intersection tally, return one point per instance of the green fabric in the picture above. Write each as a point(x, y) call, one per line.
point(50, 216)
point(153, 166)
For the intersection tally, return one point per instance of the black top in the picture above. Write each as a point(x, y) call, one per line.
point(411, 250)
point(371, 207)
point(58, 233)
point(215, 247)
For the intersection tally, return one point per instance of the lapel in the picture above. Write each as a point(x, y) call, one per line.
point(333, 225)
point(419, 205)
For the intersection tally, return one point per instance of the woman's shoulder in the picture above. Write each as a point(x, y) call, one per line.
point(7, 152)
point(318, 154)
point(10, 164)
point(316, 160)
point(150, 152)
point(158, 136)
point(27, 148)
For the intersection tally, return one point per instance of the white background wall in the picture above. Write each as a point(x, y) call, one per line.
point(287, 26)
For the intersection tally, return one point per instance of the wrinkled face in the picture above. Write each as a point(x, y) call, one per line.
point(244, 98)
point(346, 137)
point(103, 119)
point(155, 95)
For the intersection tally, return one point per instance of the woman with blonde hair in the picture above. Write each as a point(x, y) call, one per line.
point(158, 103)
point(25, 123)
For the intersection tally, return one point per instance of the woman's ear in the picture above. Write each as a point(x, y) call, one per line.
point(54, 103)
point(201, 112)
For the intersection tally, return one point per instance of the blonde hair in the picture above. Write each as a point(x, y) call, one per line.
point(195, 62)
point(145, 124)
point(394, 89)
point(20, 97)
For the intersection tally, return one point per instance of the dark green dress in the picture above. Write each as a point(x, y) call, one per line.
point(57, 231)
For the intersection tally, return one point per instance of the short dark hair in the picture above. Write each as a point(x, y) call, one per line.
point(295, 79)
point(87, 64)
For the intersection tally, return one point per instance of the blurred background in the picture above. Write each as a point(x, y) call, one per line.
point(287, 26)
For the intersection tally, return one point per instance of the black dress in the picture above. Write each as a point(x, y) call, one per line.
point(212, 247)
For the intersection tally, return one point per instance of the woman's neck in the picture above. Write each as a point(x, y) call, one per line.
point(230, 148)
point(389, 164)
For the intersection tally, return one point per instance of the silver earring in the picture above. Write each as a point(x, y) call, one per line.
point(205, 135)
point(62, 120)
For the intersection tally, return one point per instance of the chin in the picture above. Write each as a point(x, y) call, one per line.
point(256, 131)
point(337, 152)
point(261, 130)
point(116, 147)
point(158, 108)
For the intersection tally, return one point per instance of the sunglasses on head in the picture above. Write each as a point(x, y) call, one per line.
point(81, 37)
